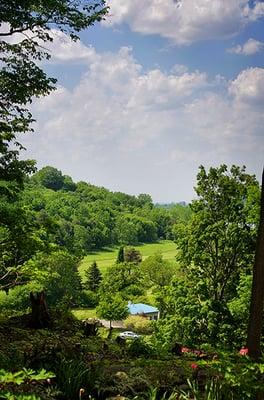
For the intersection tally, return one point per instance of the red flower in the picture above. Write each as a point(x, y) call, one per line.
point(194, 366)
point(243, 351)
point(185, 350)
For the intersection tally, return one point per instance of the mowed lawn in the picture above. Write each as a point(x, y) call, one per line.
point(84, 313)
point(107, 257)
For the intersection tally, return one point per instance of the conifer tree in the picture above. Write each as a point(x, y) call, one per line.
point(121, 255)
point(93, 277)
point(132, 255)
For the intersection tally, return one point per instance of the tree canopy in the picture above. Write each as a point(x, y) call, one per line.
point(216, 253)
point(112, 308)
point(220, 240)
point(26, 27)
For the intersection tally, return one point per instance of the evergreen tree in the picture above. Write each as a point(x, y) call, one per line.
point(132, 255)
point(93, 277)
point(121, 255)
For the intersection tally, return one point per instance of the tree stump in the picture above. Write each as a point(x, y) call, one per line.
point(40, 317)
point(90, 326)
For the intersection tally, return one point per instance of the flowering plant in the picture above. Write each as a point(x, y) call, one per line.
point(243, 351)
point(185, 350)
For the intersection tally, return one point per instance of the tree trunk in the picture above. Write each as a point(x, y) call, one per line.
point(257, 295)
point(90, 327)
point(40, 317)
point(109, 336)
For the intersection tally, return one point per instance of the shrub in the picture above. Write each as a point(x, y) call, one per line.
point(17, 300)
point(57, 272)
point(25, 385)
point(139, 347)
point(228, 377)
point(139, 324)
point(88, 298)
point(73, 376)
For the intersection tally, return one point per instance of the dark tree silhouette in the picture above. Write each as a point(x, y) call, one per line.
point(94, 277)
point(257, 295)
point(121, 255)
point(40, 317)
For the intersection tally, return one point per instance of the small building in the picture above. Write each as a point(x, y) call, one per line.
point(143, 310)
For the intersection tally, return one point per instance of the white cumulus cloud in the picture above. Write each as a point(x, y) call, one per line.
point(185, 21)
point(137, 131)
point(248, 87)
point(251, 46)
point(116, 96)
point(62, 48)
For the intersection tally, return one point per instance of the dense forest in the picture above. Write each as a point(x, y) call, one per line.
point(82, 217)
point(53, 220)
point(204, 341)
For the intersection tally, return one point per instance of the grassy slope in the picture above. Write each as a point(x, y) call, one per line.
point(107, 257)
point(84, 313)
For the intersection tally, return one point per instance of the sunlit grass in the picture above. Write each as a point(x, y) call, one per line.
point(105, 258)
point(81, 313)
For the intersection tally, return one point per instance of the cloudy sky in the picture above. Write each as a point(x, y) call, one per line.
point(159, 88)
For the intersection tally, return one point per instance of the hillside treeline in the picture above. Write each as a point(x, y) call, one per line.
point(82, 217)
point(52, 222)
point(51, 213)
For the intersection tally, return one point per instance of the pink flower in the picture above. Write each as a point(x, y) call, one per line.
point(243, 351)
point(194, 366)
point(185, 350)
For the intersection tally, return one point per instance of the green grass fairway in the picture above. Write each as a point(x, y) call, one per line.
point(105, 258)
point(84, 313)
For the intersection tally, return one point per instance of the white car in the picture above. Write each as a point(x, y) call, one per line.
point(129, 335)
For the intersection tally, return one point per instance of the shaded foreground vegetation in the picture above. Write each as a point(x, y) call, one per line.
point(102, 368)
point(203, 300)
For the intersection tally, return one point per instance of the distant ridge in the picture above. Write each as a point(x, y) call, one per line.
point(171, 205)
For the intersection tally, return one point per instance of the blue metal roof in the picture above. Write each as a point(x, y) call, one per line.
point(141, 308)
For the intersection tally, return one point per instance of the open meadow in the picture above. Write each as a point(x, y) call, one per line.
point(105, 258)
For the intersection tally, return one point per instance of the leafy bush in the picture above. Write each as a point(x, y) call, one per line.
point(17, 300)
point(226, 377)
point(154, 394)
point(57, 272)
point(22, 385)
point(239, 308)
point(73, 377)
point(240, 376)
point(191, 318)
point(25, 375)
point(88, 298)
point(132, 291)
point(229, 377)
point(138, 324)
point(139, 347)
point(214, 389)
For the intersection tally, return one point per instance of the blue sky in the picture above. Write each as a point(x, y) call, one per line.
point(158, 89)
